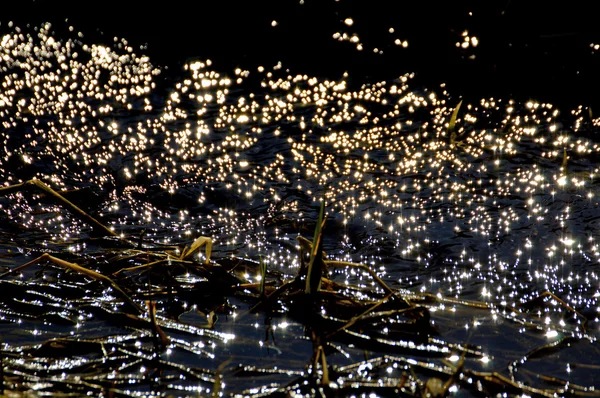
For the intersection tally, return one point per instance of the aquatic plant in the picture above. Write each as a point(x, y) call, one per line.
point(316, 265)
point(452, 124)
point(376, 319)
point(460, 250)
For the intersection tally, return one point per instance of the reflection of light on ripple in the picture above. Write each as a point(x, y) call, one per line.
point(511, 203)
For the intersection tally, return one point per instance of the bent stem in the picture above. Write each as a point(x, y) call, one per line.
point(198, 243)
point(384, 286)
point(355, 319)
point(79, 269)
point(164, 339)
point(100, 229)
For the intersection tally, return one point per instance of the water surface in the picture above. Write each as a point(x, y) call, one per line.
point(499, 208)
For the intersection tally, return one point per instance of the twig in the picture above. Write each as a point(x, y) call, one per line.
point(77, 268)
point(358, 317)
point(82, 215)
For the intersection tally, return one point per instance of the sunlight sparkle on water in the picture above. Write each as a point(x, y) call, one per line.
point(245, 155)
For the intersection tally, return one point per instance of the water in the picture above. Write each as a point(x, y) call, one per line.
point(499, 211)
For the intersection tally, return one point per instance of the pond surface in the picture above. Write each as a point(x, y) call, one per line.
point(493, 201)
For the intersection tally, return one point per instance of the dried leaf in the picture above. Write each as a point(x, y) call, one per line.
point(452, 123)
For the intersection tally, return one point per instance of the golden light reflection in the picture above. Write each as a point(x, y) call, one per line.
point(247, 157)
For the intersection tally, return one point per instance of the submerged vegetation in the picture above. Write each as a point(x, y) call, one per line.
point(373, 319)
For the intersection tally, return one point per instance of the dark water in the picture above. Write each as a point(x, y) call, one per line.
point(297, 103)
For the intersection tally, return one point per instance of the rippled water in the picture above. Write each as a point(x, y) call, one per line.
point(499, 209)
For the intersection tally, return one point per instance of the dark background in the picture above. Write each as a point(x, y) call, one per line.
point(528, 49)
